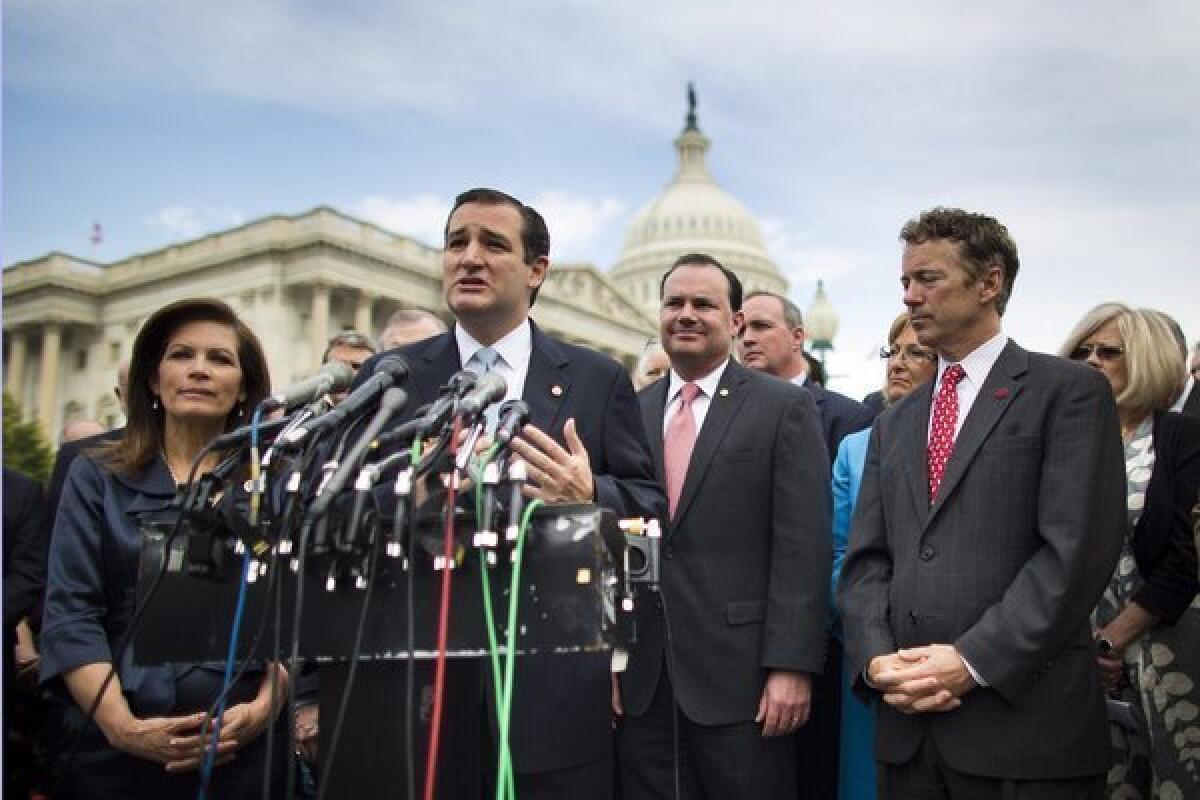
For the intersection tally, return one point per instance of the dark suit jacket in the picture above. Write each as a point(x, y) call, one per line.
point(839, 416)
point(1162, 540)
point(745, 570)
point(1007, 566)
point(561, 710)
point(1191, 406)
point(25, 537)
point(66, 454)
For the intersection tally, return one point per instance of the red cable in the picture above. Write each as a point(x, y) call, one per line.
point(439, 680)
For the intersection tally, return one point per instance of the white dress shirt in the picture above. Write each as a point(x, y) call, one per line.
point(514, 349)
point(977, 364)
point(708, 387)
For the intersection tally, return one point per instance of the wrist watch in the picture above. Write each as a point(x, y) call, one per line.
point(1105, 646)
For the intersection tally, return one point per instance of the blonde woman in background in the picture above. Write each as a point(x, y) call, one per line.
point(1148, 620)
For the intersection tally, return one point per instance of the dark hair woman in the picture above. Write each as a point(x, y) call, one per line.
point(196, 370)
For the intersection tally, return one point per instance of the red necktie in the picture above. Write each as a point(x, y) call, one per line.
point(941, 434)
point(678, 443)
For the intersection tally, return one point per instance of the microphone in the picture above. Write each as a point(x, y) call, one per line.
point(241, 435)
point(393, 400)
point(513, 416)
point(331, 377)
point(489, 388)
point(390, 370)
point(439, 413)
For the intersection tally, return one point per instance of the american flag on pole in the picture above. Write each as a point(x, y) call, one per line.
point(97, 235)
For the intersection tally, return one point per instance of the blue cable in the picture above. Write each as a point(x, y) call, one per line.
point(210, 755)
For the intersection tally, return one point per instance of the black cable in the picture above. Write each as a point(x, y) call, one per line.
point(355, 652)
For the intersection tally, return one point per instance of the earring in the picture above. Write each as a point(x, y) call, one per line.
point(154, 405)
point(241, 412)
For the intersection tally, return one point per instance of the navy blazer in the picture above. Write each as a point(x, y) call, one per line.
point(839, 416)
point(561, 711)
point(1162, 541)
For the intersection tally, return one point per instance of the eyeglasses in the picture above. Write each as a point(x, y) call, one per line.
point(1104, 352)
point(351, 339)
point(910, 352)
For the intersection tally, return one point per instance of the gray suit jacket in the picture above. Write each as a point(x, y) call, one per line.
point(1006, 566)
point(746, 559)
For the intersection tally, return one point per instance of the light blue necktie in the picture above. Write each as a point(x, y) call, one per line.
point(485, 360)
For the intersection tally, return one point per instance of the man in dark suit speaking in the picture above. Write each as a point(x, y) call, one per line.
point(990, 518)
point(723, 663)
point(584, 443)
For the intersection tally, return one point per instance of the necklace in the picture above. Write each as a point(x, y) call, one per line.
point(174, 476)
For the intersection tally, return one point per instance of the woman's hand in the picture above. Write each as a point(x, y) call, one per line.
point(175, 742)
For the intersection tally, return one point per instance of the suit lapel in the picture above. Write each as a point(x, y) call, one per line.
point(546, 383)
point(654, 407)
point(440, 361)
point(914, 448)
point(722, 408)
point(996, 396)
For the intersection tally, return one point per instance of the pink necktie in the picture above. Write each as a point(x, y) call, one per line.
point(678, 443)
point(941, 434)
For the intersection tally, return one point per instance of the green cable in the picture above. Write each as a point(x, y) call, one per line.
point(510, 655)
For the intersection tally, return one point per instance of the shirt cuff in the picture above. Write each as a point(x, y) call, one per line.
point(974, 674)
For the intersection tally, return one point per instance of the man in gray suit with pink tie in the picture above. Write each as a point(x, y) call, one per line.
point(990, 519)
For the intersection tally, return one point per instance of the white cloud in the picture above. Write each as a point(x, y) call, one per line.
point(187, 222)
point(802, 258)
point(574, 221)
point(421, 216)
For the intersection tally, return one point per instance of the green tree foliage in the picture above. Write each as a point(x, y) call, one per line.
point(25, 447)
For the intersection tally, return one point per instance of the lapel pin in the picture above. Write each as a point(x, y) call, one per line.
point(556, 390)
point(1001, 393)
point(723, 392)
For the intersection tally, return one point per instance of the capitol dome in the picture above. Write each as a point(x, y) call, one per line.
point(692, 215)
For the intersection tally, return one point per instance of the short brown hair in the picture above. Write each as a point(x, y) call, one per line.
point(142, 438)
point(983, 243)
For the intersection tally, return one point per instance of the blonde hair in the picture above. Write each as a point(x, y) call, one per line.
point(1153, 367)
point(898, 326)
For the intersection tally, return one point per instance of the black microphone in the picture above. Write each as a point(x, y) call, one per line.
point(391, 370)
point(513, 416)
point(332, 377)
point(241, 435)
point(490, 387)
point(393, 400)
point(439, 413)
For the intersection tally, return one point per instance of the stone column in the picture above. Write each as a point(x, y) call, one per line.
point(47, 401)
point(16, 364)
point(362, 314)
point(318, 321)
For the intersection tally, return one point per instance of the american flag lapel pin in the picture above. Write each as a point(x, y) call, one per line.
point(1001, 393)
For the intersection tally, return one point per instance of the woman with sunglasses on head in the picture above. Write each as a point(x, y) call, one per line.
point(907, 365)
point(197, 371)
point(1148, 620)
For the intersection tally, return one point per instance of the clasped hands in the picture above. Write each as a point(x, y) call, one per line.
point(921, 679)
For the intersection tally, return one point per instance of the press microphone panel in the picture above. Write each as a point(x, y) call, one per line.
point(332, 377)
point(490, 387)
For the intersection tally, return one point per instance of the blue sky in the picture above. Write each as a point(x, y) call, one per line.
point(1076, 124)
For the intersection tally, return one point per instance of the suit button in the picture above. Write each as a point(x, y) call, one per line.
point(668, 552)
point(927, 553)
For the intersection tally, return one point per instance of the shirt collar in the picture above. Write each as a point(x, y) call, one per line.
point(708, 384)
point(979, 362)
point(514, 347)
point(1188, 388)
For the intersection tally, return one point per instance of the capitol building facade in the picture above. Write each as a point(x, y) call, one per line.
point(298, 280)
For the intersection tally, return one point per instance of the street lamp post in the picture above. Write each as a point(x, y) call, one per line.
point(821, 323)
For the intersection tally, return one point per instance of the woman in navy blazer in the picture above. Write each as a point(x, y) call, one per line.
point(1148, 620)
point(195, 369)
